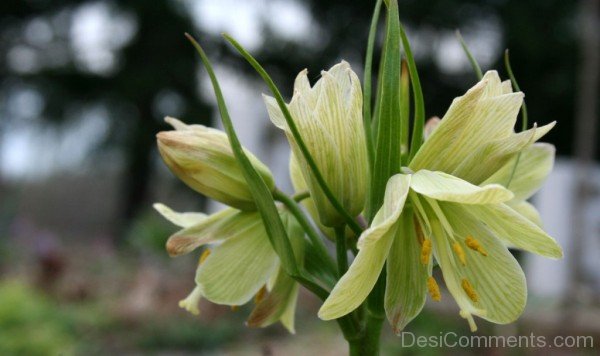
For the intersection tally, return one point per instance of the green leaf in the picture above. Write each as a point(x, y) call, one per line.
point(258, 188)
point(296, 134)
point(525, 118)
point(419, 114)
point(472, 60)
point(368, 84)
point(387, 154)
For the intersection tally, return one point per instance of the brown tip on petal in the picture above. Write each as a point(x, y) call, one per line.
point(179, 245)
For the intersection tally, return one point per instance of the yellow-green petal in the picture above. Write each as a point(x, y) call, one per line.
point(490, 157)
point(483, 114)
point(406, 276)
point(396, 191)
point(534, 166)
point(527, 210)
point(221, 225)
point(184, 220)
point(356, 284)
point(280, 301)
point(516, 230)
point(445, 187)
point(238, 268)
point(496, 277)
point(374, 244)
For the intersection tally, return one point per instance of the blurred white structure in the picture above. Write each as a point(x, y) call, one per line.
point(550, 278)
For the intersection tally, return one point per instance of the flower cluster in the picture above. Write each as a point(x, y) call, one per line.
point(459, 203)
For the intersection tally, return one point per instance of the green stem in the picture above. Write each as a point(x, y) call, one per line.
point(313, 235)
point(341, 250)
point(368, 343)
point(298, 197)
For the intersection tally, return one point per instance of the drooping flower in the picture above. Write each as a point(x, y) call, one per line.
point(329, 119)
point(241, 263)
point(202, 158)
point(450, 204)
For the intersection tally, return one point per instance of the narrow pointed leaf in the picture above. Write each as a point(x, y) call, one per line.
point(389, 136)
point(260, 192)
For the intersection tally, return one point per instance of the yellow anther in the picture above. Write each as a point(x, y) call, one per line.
point(426, 252)
point(475, 245)
point(260, 295)
point(460, 253)
point(468, 288)
point(204, 256)
point(434, 290)
point(234, 308)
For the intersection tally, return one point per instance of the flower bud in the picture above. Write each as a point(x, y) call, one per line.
point(203, 159)
point(329, 119)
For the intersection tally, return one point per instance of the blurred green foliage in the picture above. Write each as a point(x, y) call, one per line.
point(30, 324)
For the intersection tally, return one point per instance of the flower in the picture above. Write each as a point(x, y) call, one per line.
point(329, 119)
point(241, 266)
point(202, 158)
point(450, 204)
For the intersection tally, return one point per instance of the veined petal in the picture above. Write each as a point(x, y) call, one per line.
point(238, 268)
point(483, 114)
point(274, 112)
point(445, 187)
point(515, 229)
point(276, 303)
point(396, 191)
point(534, 166)
point(356, 284)
point(490, 157)
point(280, 301)
point(406, 276)
point(527, 210)
point(498, 291)
point(221, 225)
point(180, 219)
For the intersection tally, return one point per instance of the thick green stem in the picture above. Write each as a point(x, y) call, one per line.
point(341, 250)
point(368, 343)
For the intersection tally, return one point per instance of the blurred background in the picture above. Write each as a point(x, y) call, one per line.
point(84, 87)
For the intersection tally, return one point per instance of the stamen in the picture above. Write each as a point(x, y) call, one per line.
point(260, 295)
point(234, 308)
point(460, 253)
point(204, 256)
point(475, 245)
point(468, 288)
point(426, 252)
point(434, 290)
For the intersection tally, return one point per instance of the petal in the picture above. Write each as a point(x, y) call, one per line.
point(276, 303)
point(219, 226)
point(274, 112)
point(179, 219)
point(445, 187)
point(396, 191)
point(496, 278)
point(490, 157)
point(535, 164)
point(483, 114)
point(406, 276)
point(238, 268)
point(528, 211)
point(356, 284)
point(515, 229)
